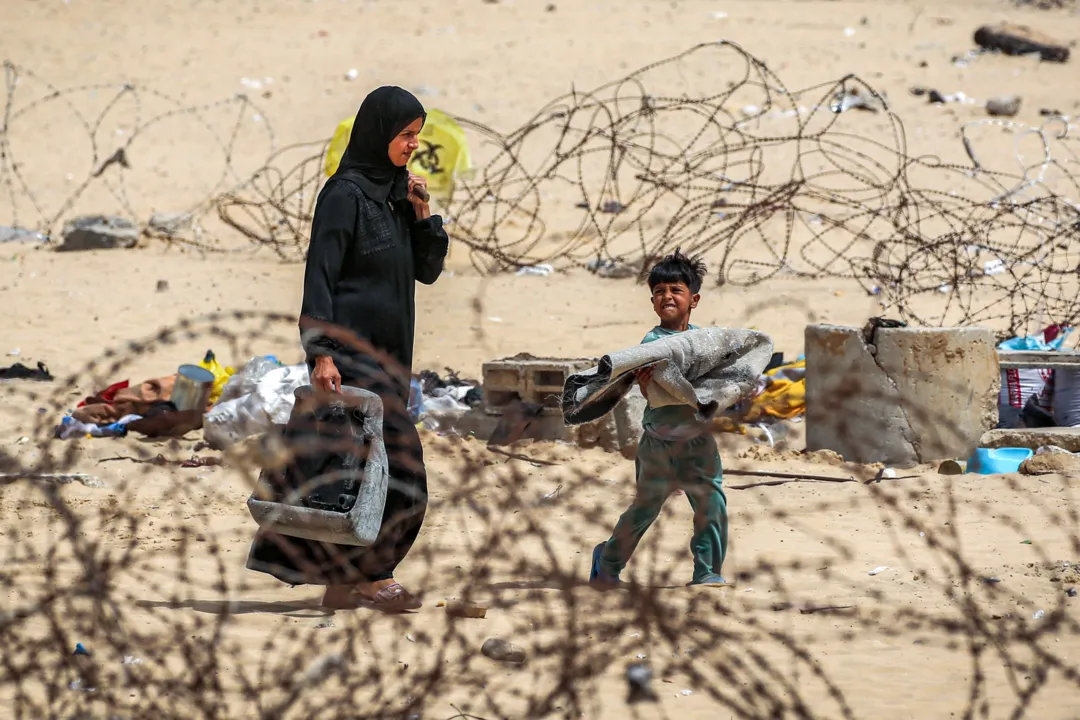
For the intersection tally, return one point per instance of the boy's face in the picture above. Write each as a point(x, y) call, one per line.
point(673, 302)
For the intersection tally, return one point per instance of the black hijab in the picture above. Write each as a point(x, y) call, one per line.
point(366, 161)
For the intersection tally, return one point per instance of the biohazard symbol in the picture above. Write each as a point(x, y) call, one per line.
point(428, 158)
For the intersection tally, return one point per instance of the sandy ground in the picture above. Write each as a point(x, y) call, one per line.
point(920, 635)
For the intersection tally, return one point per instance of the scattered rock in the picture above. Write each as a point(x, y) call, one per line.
point(1006, 106)
point(99, 232)
point(1051, 464)
point(503, 651)
point(169, 224)
point(466, 609)
point(1020, 40)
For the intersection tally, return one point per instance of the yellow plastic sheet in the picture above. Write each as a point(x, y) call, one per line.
point(443, 154)
point(782, 398)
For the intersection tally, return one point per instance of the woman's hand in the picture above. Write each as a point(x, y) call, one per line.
point(418, 196)
point(644, 377)
point(325, 376)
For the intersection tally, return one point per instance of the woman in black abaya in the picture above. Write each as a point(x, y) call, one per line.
point(372, 237)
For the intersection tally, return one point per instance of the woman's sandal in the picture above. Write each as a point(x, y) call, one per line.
point(392, 598)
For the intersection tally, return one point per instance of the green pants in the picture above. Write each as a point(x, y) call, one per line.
point(664, 466)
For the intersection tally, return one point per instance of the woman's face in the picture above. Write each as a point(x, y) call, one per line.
point(406, 142)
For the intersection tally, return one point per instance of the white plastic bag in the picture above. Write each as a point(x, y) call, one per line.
point(269, 404)
point(246, 379)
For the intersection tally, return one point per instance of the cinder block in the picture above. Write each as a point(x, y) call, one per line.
point(528, 378)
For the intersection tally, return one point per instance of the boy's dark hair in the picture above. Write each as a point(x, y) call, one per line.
point(675, 268)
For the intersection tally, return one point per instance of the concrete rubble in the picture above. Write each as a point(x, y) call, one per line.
point(99, 232)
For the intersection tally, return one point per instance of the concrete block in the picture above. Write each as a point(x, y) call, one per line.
point(917, 395)
point(530, 379)
point(1067, 438)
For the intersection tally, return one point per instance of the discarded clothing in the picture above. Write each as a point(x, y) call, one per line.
point(125, 401)
point(18, 371)
point(710, 369)
point(106, 396)
point(69, 428)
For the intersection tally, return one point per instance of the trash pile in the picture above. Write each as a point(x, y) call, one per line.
point(167, 406)
point(437, 402)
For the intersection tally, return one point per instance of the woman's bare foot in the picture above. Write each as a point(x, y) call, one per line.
point(339, 597)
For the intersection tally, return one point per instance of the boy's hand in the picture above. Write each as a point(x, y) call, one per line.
point(644, 376)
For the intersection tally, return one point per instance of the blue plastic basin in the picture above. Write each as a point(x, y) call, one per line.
point(987, 461)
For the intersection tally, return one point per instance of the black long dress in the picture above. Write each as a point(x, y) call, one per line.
point(367, 252)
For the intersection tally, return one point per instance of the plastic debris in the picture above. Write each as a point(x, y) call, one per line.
point(878, 570)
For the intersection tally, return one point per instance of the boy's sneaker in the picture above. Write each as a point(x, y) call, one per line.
point(710, 580)
point(597, 577)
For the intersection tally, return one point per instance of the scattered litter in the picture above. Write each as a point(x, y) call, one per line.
point(22, 441)
point(612, 207)
point(610, 269)
point(18, 371)
point(15, 353)
point(1038, 615)
point(686, 693)
point(17, 234)
point(59, 478)
point(328, 623)
point(495, 319)
point(641, 656)
point(352, 74)
point(991, 580)
point(541, 270)
point(878, 570)
point(849, 32)
point(1020, 40)
point(1025, 542)
point(888, 474)
point(464, 609)
point(856, 99)
point(410, 638)
point(551, 495)
point(132, 660)
point(1071, 592)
